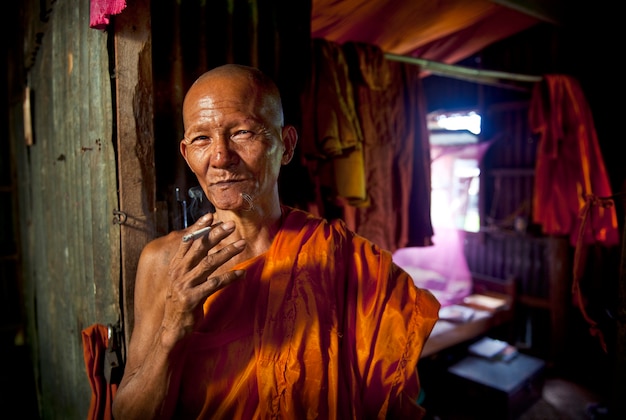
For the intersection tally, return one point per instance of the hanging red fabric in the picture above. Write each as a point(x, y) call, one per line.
point(572, 190)
point(569, 165)
point(95, 344)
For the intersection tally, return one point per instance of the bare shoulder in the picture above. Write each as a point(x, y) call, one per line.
point(156, 255)
point(161, 249)
point(152, 271)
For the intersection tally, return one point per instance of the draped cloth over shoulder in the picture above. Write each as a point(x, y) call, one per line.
point(337, 334)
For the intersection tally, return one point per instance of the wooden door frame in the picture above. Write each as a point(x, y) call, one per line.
point(135, 141)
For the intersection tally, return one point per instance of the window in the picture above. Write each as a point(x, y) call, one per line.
point(455, 169)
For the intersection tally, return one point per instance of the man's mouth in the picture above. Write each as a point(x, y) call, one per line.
point(226, 182)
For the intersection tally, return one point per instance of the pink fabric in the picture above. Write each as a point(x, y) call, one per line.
point(441, 268)
point(101, 10)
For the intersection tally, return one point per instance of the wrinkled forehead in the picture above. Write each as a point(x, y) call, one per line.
point(208, 91)
point(233, 91)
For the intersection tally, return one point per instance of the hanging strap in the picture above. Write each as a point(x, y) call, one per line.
point(580, 260)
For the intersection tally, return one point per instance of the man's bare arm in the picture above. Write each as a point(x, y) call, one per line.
point(173, 280)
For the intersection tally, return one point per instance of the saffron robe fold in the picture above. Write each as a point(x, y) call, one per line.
point(324, 325)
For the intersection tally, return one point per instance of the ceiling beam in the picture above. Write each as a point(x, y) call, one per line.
point(547, 10)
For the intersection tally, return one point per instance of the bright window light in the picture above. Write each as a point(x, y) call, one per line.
point(455, 170)
point(467, 121)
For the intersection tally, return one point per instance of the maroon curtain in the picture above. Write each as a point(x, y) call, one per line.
point(393, 147)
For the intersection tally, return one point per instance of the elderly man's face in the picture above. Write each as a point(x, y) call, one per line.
point(233, 142)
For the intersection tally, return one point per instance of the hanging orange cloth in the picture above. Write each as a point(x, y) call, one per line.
point(569, 167)
point(572, 189)
point(95, 349)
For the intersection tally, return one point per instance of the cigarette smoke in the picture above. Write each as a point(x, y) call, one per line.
point(248, 199)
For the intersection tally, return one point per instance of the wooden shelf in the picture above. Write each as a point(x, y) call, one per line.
point(501, 172)
point(534, 301)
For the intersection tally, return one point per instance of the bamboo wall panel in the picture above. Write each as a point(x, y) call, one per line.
point(510, 162)
point(507, 255)
point(509, 244)
point(506, 248)
point(67, 194)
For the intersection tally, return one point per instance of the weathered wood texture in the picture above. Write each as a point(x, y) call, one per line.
point(67, 193)
point(135, 139)
point(504, 255)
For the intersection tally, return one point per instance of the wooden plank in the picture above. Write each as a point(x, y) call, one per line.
point(135, 132)
point(534, 301)
point(548, 11)
point(619, 375)
point(560, 294)
point(448, 334)
point(67, 185)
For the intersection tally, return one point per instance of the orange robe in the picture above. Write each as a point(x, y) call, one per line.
point(324, 325)
point(95, 341)
point(570, 173)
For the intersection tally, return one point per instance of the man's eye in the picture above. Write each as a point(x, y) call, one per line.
point(242, 135)
point(200, 139)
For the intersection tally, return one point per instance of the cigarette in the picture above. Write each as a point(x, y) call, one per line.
point(199, 233)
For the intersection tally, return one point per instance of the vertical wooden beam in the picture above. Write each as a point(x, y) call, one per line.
point(135, 139)
point(618, 406)
point(560, 267)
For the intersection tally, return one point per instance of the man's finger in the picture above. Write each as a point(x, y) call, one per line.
point(213, 261)
point(213, 284)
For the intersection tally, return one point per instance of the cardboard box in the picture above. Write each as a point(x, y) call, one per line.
point(498, 389)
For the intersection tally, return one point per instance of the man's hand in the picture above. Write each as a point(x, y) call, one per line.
point(190, 280)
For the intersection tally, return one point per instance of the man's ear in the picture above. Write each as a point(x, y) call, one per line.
point(290, 139)
point(183, 149)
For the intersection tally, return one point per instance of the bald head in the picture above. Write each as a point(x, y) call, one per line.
point(243, 82)
point(235, 139)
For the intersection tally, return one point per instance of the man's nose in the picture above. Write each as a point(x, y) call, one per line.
point(223, 154)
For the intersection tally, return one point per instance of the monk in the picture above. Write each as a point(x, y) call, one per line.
point(274, 313)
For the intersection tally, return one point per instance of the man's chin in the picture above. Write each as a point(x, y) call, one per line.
point(239, 203)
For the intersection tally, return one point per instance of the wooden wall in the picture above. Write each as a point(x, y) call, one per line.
point(66, 194)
